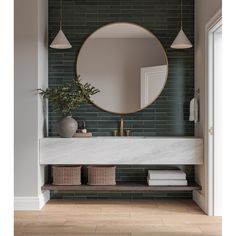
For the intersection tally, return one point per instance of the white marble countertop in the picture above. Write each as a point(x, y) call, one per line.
point(132, 150)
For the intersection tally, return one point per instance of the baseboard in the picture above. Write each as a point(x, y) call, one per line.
point(31, 203)
point(200, 200)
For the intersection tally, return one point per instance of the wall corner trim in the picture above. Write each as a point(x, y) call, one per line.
point(200, 200)
point(31, 203)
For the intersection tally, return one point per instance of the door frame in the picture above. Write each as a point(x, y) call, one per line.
point(214, 23)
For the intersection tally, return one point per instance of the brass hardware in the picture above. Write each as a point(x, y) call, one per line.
point(211, 130)
point(115, 132)
point(121, 127)
point(121, 131)
point(127, 132)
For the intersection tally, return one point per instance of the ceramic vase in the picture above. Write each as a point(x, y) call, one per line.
point(67, 127)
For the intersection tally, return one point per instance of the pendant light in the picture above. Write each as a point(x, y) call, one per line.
point(181, 41)
point(60, 41)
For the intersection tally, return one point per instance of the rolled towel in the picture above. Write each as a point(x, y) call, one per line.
point(166, 174)
point(168, 182)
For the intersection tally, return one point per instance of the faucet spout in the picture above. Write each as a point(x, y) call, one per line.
point(121, 127)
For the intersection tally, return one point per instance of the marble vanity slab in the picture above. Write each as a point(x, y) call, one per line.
point(122, 150)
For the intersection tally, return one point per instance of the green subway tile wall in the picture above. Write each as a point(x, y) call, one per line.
point(168, 115)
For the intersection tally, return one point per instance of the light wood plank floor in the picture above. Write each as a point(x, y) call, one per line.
point(117, 218)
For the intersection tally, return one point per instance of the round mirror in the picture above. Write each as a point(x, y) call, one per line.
point(127, 63)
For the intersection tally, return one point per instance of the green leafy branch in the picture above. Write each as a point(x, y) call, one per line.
point(68, 97)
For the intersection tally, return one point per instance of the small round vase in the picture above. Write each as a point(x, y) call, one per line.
point(67, 127)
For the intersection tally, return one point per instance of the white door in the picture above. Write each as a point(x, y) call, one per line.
point(215, 119)
point(218, 121)
point(152, 79)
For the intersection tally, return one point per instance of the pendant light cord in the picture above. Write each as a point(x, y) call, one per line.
point(60, 14)
point(181, 24)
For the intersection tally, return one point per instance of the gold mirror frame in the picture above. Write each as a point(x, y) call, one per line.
point(158, 41)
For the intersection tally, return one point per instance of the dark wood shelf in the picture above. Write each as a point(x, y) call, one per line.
point(121, 187)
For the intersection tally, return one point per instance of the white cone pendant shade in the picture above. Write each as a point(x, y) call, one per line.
point(60, 41)
point(181, 41)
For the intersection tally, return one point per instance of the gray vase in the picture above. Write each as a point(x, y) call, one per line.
point(67, 127)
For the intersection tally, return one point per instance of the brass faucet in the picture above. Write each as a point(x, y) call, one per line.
point(121, 127)
point(121, 132)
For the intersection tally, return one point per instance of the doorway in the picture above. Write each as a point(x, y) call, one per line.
point(214, 119)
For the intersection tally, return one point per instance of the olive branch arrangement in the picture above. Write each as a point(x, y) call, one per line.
point(66, 98)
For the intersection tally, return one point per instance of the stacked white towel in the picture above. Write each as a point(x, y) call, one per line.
point(166, 178)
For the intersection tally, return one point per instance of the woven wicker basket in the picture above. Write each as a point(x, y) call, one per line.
point(66, 175)
point(101, 175)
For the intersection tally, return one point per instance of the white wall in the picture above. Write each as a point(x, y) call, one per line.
point(30, 73)
point(204, 11)
point(42, 76)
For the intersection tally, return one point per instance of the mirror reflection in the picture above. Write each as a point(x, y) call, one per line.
point(127, 63)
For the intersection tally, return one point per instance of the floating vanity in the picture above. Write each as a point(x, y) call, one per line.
point(122, 151)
